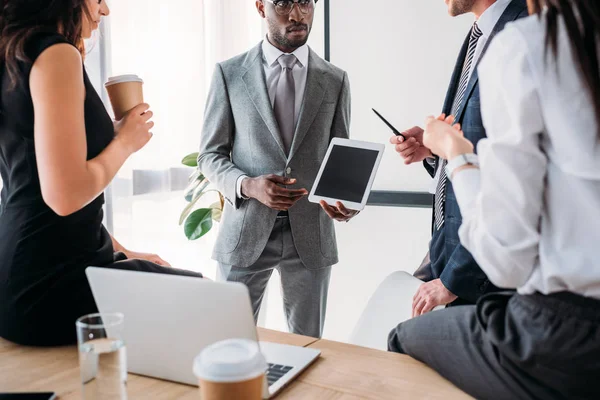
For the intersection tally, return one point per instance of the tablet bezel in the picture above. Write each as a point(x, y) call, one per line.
point(313, 198)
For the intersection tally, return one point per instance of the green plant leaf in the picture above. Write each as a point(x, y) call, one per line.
point(198, 224)
point(196, 175)
point(191, 160)
point(194, 189)
point(216, 205)
point(217, 215)
point(188, 209)
point(189, 190)
point(217, 211)
point(222, 199)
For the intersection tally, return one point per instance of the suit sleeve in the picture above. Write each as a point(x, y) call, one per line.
point(216, 143)
point(341, 120)
point(464, 277)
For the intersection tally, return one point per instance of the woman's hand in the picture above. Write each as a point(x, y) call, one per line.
point(133, 255)
point(133, 131)
point(444, 139)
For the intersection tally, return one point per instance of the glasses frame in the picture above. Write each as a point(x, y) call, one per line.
point(294, 4)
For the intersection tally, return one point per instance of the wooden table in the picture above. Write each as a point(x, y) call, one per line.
point(342, 372)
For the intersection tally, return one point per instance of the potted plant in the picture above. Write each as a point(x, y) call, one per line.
point(197, 222)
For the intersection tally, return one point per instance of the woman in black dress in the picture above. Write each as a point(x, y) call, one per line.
point(59, 150)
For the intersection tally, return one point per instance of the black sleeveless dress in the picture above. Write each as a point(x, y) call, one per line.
point(43, 286)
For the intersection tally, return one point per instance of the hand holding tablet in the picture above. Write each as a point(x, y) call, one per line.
point(338, 212)
point(346, 175)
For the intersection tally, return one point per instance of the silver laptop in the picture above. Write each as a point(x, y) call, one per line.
point(169, 319)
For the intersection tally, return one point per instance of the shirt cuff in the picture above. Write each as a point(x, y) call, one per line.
point(466, 185)
point(238, 188)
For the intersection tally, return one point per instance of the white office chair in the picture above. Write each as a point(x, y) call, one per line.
point(390, 304)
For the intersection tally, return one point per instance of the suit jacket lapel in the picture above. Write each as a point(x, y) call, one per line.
point(313, 98)
point(511, 13)
point(256, 86)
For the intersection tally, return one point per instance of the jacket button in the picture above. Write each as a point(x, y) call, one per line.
point(288, 170)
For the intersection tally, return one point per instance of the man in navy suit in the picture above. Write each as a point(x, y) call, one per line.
point(452, 276)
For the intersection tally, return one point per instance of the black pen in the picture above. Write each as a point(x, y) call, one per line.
point(396, 131)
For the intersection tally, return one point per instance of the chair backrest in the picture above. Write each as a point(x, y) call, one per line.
point(390, 305)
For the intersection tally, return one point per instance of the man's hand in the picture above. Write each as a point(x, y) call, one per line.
point(338, 212)
point(412, 149)
point(269, 190)
point(133, 255)
point(430, 295)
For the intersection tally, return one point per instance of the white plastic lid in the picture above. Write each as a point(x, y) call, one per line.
point(232, 360)
point(123, 78)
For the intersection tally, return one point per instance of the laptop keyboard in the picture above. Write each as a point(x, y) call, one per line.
point(276, 372)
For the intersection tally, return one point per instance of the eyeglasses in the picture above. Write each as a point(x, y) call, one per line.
point(285, 7)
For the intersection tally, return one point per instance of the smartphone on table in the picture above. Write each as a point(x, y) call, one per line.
point(28, 396)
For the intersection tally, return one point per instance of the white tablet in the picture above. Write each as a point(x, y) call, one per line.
point(347, 173)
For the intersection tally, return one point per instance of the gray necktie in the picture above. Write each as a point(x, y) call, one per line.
point(285, 100)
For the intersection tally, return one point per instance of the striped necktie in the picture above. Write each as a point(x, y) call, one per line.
point(440, 193)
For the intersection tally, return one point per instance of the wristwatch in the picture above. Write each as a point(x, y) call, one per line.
point(460, 161)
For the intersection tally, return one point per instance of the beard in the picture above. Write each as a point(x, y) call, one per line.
point(460, 7)
point(283, 41)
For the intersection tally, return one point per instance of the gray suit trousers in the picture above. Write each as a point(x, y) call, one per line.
point(304, 290)
point(511, 346)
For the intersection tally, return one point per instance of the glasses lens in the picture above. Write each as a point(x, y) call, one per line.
point(284, 7)
point(305, 5)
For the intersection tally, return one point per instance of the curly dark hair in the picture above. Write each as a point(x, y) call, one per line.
point(21, 19)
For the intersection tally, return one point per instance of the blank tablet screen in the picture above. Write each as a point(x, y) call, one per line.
point(347, 173)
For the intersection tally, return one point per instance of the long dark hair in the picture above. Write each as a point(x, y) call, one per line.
point(582, 20)
point(21, 19)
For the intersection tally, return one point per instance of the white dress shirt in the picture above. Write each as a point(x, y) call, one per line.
point(486, 22)
point(530, 215)
point(272, 73)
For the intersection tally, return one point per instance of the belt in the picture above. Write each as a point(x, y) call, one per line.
point(283, 214)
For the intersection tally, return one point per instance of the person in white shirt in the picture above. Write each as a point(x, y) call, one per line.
point(530, 214)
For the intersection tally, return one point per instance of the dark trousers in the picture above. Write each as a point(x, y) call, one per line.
point(50, 319)
point(511, 346)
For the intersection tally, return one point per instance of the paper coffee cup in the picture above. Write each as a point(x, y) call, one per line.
point(231, 369)
point(125, 92)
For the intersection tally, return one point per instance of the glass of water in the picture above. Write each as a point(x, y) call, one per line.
point(102, 357)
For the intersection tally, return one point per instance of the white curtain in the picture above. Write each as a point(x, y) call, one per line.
point(173, 46)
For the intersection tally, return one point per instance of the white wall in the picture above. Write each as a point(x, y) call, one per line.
point(399, 55)
point(379, 241)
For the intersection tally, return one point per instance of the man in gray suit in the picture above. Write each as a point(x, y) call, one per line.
point(270, 115)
